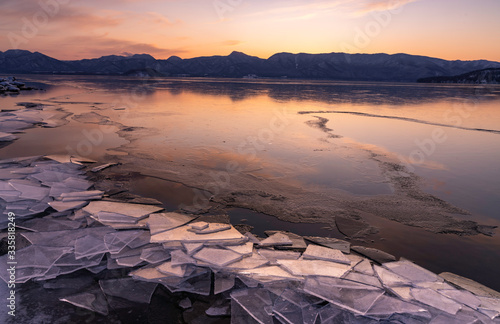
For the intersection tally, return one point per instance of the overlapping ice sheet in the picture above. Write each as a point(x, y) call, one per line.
point(317, 283)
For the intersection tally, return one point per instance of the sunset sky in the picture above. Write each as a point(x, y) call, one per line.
point(76, 29)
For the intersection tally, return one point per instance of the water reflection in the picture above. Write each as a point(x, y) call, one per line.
point(207, 121)
point(332, 92)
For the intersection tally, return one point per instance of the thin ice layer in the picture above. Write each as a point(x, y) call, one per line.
point(346, 294)
point(162, 222)
point(323, 253)
point(217, 257)
point(314, 268)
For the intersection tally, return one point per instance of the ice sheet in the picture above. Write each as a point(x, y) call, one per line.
point(346, 294)
point(162, 222)
point(436, 300)
point(133, 210)
point(276, 239)
point(182, 234)
point(316, 252)
point(217, 257)
point(314, 268)
point(128, 288)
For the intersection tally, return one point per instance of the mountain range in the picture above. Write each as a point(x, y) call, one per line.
point(332, 66)
point(485, 76)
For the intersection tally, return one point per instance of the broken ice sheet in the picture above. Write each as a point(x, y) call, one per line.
point(374, 254)
point(297, 240)
point(275, 240)
point(389, 278)
point(61, 206)
point(273, 256)
point(132, 210)
point(402, 292)
point(470, 285)
point(212, 228)
point(10, 195)
point(489, 306)
point(162, 222)
point(30, 191)
point(253, 302)
point(48, 224)
point(198, 226)
point(269, 274)
point(39, 256)
point(154, 254)
point(102, 167)
point(91, 244)
point(69, 260)
point(77, 183)
point(179, 258)
point(364, 267)
point(7, 174)
point(123, 226)
point(217, 257)
point(251, 262)
point(295, 307)
point(346, 294)
point(61, 158)
point(323, 253)
point(462, 296)
point(182, 234)
point(141, 240)
point(223, 282)
point(436, 300)
point(81, 195)
point(252, 238)
point(77, 283)
point(129, 261)
point(172, 270)
point(58, 189)
point(287, 312)
point(52, 177)
point(385, 306)
point(412, 271)
point(149, 274)
point(93, 300)
point(116, 241)
point(191, 248)
point(363, 278)
point(245, 249)
point(130, 289)
point(199, 283)
point(314, 268)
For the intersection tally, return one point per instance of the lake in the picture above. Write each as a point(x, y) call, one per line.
point(325, 138)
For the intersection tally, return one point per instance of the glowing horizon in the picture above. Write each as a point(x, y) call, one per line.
point(66, 30)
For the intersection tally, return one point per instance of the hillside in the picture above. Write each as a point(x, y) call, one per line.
point(332, 66)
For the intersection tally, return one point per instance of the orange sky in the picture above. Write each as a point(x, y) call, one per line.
point(73, 29)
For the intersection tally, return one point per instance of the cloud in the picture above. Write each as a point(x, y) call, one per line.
point(312, 9)
point(230, 42)
point(15, 14)
point(91, 47)
point(381, 5)
point(157, 18)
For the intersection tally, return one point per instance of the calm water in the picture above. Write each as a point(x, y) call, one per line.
point(448, 135)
